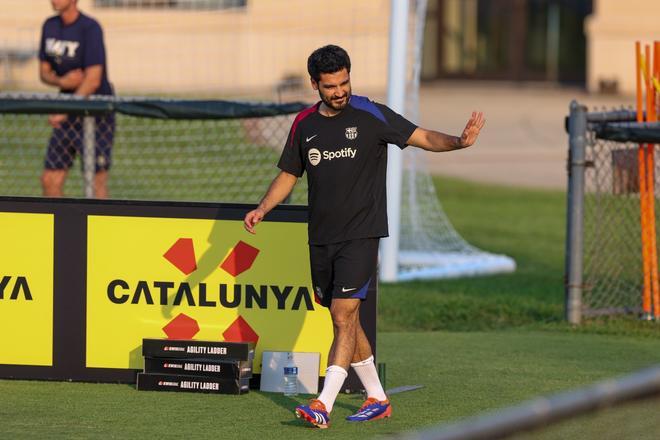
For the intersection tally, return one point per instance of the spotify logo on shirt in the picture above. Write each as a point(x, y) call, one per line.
point(314, 155)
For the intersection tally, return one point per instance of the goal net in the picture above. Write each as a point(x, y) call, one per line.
point(429, 246)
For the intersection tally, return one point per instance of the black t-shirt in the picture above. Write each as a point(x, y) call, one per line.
point(345, 157)
point(74, 46)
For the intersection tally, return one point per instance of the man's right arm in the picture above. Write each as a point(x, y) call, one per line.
point(70, 81)
point(48, 75)
point(279, 189)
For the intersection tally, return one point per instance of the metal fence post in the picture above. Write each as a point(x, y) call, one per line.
point(89, 154)
point(577, 142)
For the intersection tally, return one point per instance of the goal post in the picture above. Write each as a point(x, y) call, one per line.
point(396, 90)
point(422, 243)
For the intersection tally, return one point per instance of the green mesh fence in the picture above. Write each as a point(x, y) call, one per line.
point(161, 150)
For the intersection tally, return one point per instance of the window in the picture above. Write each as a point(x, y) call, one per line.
point(171, 4)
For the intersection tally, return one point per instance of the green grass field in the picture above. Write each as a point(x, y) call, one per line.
point(474, 344)
point(463, 373)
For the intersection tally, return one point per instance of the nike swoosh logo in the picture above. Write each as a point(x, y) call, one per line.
point(344, 289)
point(310, 138)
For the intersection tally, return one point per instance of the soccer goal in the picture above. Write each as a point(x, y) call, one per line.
point(423, 243)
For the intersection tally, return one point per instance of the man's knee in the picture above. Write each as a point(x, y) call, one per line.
point(345, 313)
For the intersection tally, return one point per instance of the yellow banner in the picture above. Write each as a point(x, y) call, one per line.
point(201, 279)
point(26, 289)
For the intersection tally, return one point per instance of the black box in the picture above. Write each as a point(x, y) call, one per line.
point(214, 369)
point(201, 350)
point(192, 384)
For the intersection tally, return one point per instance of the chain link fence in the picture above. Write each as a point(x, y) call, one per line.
point(155, 150)
point(612, 233)
point(604, 271)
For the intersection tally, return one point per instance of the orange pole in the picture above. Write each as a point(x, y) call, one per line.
point(650, 186)
point(641, 160)
point(651, 116)
point(656, 74)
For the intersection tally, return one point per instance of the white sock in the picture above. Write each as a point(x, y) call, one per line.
point(366, 371)
point(334, 379)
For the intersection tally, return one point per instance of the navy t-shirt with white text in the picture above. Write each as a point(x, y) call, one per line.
point(74, 46)
point(345, 157)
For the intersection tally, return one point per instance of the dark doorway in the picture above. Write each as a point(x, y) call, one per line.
point(519, 40)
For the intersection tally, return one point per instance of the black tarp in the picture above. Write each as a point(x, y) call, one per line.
point(638, 132)
point(148, 108)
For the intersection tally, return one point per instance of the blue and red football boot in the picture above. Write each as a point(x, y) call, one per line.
point(314, 413)
point(372, 409)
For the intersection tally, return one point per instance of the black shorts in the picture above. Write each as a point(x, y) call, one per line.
point(67, 140)
point(344, 270)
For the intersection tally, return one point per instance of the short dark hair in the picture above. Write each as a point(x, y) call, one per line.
point(327, 59)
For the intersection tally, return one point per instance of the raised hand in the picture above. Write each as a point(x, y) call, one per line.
point(472, 129)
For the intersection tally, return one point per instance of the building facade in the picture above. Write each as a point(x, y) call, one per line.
point(219, 47)
point(258, 48)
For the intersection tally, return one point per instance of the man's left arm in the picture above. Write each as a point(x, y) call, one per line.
point(93, 60)
point(91, 81)
point(436, 141)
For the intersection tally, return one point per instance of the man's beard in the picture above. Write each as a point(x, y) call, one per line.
point(334, 104)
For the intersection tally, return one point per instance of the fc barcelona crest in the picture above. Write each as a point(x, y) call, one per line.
point(351, 133)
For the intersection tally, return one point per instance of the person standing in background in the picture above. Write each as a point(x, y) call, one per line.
point(72, 57)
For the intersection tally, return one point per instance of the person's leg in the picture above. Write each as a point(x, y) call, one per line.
point(364, 256)
point(364, 261)
point(344, 315)
point(362, 345)
point(105, 134)
point(344, 277)
point(52, 182)
point(316, 412)
point(345, 321)
point(365, 368)
point(377, 406)
point(101, 185)
point(354, 266)
point(59, 158)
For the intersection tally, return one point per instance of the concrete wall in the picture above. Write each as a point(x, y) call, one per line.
point(611, 32)
point(232, 52)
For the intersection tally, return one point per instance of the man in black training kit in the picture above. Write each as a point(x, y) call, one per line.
point(342, 144)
